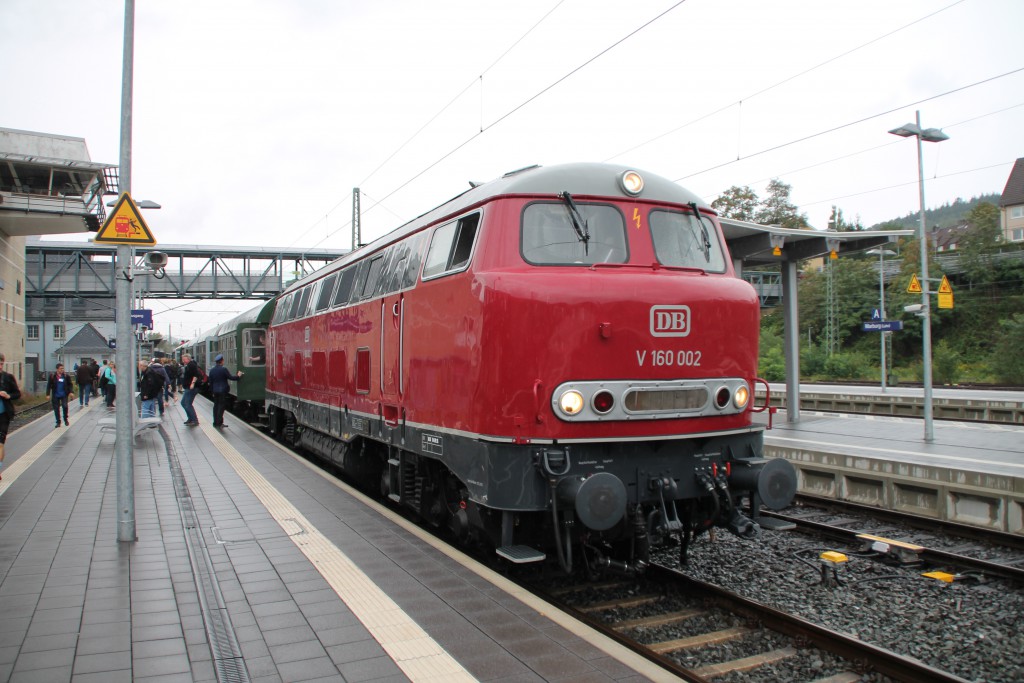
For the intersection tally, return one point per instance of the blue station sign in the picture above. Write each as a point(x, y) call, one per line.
point(883, 326)
point(142, 316)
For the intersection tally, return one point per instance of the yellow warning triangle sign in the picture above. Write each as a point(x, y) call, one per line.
point(944, 287)
point(125, 225)
point(915, 285)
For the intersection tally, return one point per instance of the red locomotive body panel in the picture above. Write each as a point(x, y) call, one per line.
point(533, 333)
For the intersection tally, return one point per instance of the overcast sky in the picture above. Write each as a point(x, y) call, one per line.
point(254, 119)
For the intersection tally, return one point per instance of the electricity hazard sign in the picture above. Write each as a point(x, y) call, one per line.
point(124, 225)
point(915, 285)
point(945, 294)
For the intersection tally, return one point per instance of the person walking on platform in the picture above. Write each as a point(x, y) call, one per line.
point(9, 393)
point(189, 389)
point(219, 378)
point(108, 381)
point(165, 381)
point(151, 386)
point(58, 388)
point(95, 367)
point(85, 379)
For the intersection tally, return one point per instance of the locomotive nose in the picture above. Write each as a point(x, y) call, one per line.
point(599, 500)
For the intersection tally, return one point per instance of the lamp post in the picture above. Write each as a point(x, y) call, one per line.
point(882, 253)
point(928, 135)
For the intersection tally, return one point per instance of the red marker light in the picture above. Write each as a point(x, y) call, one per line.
point(603, 402)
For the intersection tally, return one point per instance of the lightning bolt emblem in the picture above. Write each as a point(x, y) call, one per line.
point(636, 217)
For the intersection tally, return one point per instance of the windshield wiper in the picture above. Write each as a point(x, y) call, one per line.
point(578, 224)
point(706, 240)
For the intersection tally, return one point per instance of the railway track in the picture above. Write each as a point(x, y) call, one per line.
point(985, 553)
point(703, 632)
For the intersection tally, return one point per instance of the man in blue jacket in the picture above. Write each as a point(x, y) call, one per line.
point(219, 378)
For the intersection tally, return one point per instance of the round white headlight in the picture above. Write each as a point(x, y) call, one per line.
point(632, 183)
point(571, 402)
point(741, 397)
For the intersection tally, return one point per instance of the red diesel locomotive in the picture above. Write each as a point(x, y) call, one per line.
point(560, 361)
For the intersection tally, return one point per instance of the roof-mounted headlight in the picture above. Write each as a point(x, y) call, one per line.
point(632, 183)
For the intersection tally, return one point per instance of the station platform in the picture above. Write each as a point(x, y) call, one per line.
point(971, 473)
point(250, 565)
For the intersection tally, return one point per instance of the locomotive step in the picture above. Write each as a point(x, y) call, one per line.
point(520, 554)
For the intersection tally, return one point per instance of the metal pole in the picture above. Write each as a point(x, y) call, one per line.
point(926, 307)
point(881, 297)
point(123, 445)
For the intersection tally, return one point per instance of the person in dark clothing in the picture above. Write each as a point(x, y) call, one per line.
point(151, 386)
point(95, 367)
point(189, 389)
point(9, 393)
point(85, 377)
point(161, 400)
point(59, 389)
point(219, 378)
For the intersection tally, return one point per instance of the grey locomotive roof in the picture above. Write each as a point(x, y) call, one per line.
point(583, 179)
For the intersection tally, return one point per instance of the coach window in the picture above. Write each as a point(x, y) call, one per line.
point(326, 290)
point(281, 312)
point(254, 342)
point(682, 240)
point(551, 237)
point(451, 247)
point(345, 286)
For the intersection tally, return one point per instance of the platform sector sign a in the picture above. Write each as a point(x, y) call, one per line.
point(125, 225)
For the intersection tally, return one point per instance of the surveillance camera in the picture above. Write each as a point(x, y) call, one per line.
point(913, 308)
point(155, 260)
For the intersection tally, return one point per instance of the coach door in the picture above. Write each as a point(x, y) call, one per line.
point(392, 326)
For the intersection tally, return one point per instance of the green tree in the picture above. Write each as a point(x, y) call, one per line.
point(778, 209)
point(978, 243)
point(1008, 357)
point(738, 203)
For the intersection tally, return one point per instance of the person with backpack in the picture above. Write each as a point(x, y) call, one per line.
point(191, 381)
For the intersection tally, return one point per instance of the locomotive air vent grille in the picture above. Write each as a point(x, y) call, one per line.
point(666, 400)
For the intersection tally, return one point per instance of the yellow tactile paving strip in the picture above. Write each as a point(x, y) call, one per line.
point(415, 652)
point(602, 642)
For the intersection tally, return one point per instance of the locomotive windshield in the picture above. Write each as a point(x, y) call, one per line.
point(682, 240)
point(550, 236)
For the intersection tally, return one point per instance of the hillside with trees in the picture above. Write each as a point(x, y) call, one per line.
point(980, 340)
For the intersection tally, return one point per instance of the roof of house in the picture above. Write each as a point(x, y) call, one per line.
point(1013, 193)
point(86, 341)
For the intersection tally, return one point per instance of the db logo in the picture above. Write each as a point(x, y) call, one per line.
point(670, 321)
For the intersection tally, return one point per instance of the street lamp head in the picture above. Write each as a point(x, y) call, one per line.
point(933, 135)
point(909, 130)
point(880, 252)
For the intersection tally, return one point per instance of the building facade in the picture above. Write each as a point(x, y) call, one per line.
point(1011, 205)
point(48, 186)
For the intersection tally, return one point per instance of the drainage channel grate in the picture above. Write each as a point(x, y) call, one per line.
point(227, 655)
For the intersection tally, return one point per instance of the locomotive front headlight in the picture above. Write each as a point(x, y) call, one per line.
point(632, 183)
point(741, 397)
point(571, 402)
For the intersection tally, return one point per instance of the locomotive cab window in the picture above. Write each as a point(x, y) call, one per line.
point(451, 247)
point(686, 241)
point(551, 235)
